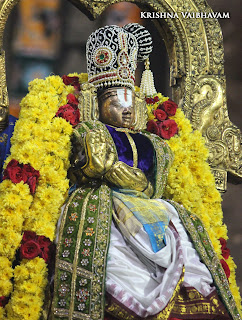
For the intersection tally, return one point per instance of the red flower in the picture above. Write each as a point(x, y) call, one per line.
point(32, 177)
point(156, 98)
point(152, 127)
point(44, 242)
point(14, 172)
point(151, 100)
point(45, 254)
point(3, 301)
point(225, 267)
point(225, 250)
point(73, 81)
point(167, 129)
point(29, 249)
point(72, 100)
point(169, 107)
point(34, 245)
point(160, 114)
point(32, 181)
point(30, 171)
point(28, 235)
point(69, 113)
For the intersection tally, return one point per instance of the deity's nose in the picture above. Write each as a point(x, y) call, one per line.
point(127, 110)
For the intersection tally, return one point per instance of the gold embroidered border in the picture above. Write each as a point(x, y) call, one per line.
point(74, 273)
point(192, 302)
point(64, 265)
point(134, 150)
point(164, 158)
point(100, 253)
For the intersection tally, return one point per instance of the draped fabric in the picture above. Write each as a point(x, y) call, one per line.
point(109, 245)
point(144, 282)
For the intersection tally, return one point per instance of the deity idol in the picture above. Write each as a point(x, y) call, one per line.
point(123, 251)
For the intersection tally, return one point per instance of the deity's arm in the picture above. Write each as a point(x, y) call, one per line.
point(123, 176)
point(92, 156)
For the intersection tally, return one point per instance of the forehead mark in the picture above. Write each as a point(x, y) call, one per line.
point(125, 94)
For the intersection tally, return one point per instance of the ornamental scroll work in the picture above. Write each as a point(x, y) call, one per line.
point(210, 116)
point(3, 94)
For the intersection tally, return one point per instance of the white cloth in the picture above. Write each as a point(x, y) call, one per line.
point(144, 281)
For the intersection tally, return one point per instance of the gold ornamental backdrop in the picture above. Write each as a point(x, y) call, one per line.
point(195, 50)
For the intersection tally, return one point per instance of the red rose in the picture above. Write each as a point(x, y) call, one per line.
point(32, 181)
point(29, 250)
point(160, 114)
point(169, 107)
point(224, 249)
point(44, 242)
point(69, 113)
point(28, 235)
point(30, 171)
point(32, 177)
point(152, 127)
point(3, 301)
point(156, 98)
point(13, 163)
point(73, 81)
point(225, 267)
point(14, 172)
point(45, 254)
point(72, 100)
point(167, 129)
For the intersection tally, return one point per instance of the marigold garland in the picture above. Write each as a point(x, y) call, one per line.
point(43, 141)
point(190, 182)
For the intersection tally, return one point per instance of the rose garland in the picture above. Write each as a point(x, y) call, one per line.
point(37, 129)
point(190, 181)
point(40, 150)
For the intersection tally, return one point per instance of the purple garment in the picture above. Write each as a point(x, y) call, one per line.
point(144, 147)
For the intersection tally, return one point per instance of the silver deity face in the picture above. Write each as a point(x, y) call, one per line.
point(116, 107)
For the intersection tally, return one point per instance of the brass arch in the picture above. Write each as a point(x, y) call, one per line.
point(195, 50)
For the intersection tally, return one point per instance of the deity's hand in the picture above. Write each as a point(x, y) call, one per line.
point(123, 176)
point(100, 155)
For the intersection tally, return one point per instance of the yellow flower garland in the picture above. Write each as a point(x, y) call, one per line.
point(190, 182)
point(43, 141)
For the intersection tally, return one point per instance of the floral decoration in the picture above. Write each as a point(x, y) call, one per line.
point(38, 163)
point(190, 180)
point(35, 246)
point(225, 267)
point(159, 113)
point(17, 172)
point(224, 249)
point(73, 81)
point(70, 111)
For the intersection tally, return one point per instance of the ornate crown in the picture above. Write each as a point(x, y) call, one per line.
point(112, 53)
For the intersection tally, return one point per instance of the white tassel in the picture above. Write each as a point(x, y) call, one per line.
point(147, 85)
